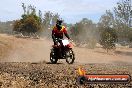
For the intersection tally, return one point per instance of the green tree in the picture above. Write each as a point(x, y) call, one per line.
point(108, 38)
point(49, 21)
point(123, 18)
point(84, 32)
point(123, 12)
point(106, 20)
point(29, 23)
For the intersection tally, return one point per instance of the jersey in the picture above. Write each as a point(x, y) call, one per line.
point(59, 33)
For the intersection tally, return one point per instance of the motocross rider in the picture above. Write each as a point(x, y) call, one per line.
point(58, 32)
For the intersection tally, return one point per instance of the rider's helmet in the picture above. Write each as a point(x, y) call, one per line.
point(59, 24)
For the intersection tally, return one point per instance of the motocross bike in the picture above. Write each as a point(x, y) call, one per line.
point(56, 52)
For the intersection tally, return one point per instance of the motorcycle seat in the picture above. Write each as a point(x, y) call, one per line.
point(55, 46)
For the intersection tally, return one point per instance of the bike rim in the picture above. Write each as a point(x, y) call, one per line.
point(70, 57)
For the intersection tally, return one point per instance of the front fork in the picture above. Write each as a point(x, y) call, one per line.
point(68, 52)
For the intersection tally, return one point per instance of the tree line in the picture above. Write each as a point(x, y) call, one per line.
point(113, 26)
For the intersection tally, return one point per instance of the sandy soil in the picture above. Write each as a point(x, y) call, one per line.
point(24, 63)
point(35, 50)
point(46, 75)
point(5, 46)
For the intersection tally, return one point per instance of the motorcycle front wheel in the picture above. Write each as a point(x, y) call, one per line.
point(70, 56)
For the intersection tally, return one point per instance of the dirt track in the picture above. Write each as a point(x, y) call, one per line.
point(46, 75)
point(36, 50)
point(25, 64)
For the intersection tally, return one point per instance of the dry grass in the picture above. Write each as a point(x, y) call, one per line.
point(45, 75)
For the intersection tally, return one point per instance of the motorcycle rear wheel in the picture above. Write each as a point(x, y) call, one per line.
point(53, 59)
